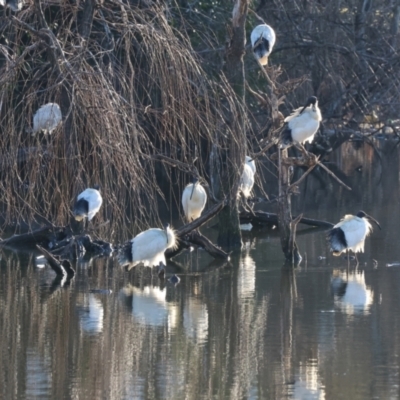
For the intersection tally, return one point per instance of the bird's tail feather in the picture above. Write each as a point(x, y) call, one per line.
point(286, 137)
point(337, 240)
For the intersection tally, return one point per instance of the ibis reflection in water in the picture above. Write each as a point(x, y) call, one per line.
point(91, 313)
point(149, 306)
point(195, 320)
point(351, 293)
point(262, 40)
point(246, 274)
point(350, 233)
point(46, 118)
point(302, 125)
point(194, 198)
point(148, 247)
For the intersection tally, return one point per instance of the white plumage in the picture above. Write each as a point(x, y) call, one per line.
point(303, 123)
point(351, 293)
point(91, 314)
point(147, 247)
point(47, 118)
point(149, 306)
point(262, 39)
point(247, 178)
point(15, 5)
point(87, 204)
point(194, 199)
point(350, 233)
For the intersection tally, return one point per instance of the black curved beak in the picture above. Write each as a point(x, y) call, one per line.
point(194, 184)
point(312, 101)
point(373, 220)
point(304, 108)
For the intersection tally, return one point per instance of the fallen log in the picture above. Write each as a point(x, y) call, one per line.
point(62, 268)
point(200, 240)
point(197, 223)
point(188, 234)
point(262, 218)
point(61, 241)
point(40, 236)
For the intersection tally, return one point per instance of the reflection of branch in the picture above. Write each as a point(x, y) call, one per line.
point(292, 237)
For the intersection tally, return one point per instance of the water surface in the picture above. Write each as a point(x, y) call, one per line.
point(250, 329)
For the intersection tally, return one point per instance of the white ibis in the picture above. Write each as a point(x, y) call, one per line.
point(302, 124)
point(194, 199)
point(88, 204)
point(262, 39)
point(148, 247)
point(247, 178)
point(350, 233)
point(47, 118)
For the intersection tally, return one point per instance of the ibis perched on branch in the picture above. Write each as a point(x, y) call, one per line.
point(262, 40)
point(47, 118)
point(148, 247)
point(350, 233)
point(194, 199)
point(88, 204)
point(302, 124)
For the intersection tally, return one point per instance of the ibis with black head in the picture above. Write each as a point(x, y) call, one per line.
point(262, 40)
point(148, 247)
point(194, 198)
point(302, 125)
point(350, 233)
point(88, 204)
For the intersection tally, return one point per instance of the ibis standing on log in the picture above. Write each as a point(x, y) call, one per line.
point(148, 247)
point(350, 233)
point(47, 118)
point(88, 204)
point(194, 199)
point(302, 124)
point(262, 40)
point(247, 178)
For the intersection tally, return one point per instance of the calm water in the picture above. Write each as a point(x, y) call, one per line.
point(251, 329)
